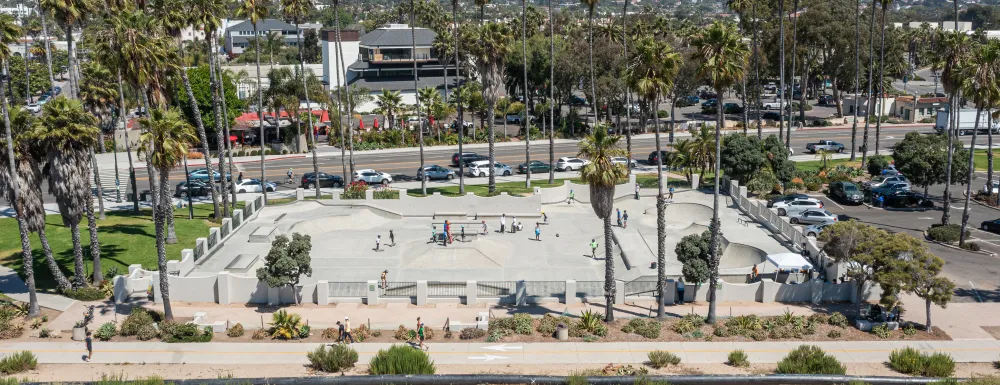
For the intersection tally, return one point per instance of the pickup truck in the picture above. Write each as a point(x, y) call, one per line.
point(770, 106)
point(825, 145)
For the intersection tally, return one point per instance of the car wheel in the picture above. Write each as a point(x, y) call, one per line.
point(841, 150)
point(338, 184)
point(794, 221)
point(242, 191)
point(451, 176)
point(506, 173)
point(311, 186)
point(781, 212)
point(385, 182)
point(426, 178)
point(184, 194)
point(811, 234)
point(568, 168)
point(986, 228)
point(270, 189)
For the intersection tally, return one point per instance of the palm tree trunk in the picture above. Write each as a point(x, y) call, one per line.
point(220, 138)
point(972, 173)
point(458, 100)
point(163, 212)
point(857, 78)
point(609, 270)
point(628, 92)
point(78, 271)
point(341, 107)
point(490, 116)
point(416, 92)
point(95, 244)
point(881, 72)
point(347, 90)
point(193, 104)
point(661, 224)
point(312, 128)
point(97, 181)
point(74, 85)
point(716, 228)
point(593, 84)
point(989, 153)
point(795, 41)
point(802, 93)
point(871, 71)
point(50, 260)
point(756, 76)
point(48, 52)
point(781, 68)
point(225, 122)
point(260, 116)
point(128, 145)
point(527, 117)
point(673, 110)
point(27, 258)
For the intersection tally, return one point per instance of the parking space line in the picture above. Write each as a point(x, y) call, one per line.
point(835, 202)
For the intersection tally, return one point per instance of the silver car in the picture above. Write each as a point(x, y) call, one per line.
point(793, 208)
point(481, 168)
point(570, 164)
point(372, 177)
point(880, 181)
point(815, 230)
point(813, 216)
point(621, 160)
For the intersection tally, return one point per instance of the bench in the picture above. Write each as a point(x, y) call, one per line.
point(201, 319)
point(243, 263)
point(264, 234)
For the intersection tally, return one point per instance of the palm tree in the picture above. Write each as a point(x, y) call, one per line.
point(871, 71)
point(256, 11)
point(857, 79)
point(296, 10)
point(795, 54)
point(169, 135)
point(389, 103)
point(69, 12)
point(68, 133)
point(9, 34)
point(981, 77)
point(602, 175)
point(952, 52)
point(490, 46)
point(416, 88)
point(881, 72)
point(48, 51)
point(271, 42)
point(482, 7)
point(342, 71)
point(458, 96)
point(591, 4)
point(781, 68)
point(430, 98)
point(651, 71)
point(527, 101)
point(723, 58)
point(97, 92)
point(552, 97)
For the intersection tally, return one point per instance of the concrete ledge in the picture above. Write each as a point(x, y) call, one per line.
point(480, 216)
point(451, 215)
point(264, 234)
point(242, 263)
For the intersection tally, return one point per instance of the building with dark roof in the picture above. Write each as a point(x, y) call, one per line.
point(238, 36)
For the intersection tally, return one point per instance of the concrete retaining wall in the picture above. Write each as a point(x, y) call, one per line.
point(194, 289)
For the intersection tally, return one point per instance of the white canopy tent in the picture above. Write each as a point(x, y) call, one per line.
point(789, 262)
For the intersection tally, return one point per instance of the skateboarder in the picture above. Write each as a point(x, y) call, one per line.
point(593, 248)
point(625, 220)
point(538, 232)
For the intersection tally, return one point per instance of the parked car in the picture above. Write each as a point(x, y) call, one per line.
point(826, 100)
point(794, 207)
point(785, 198)
point(888, 189)
point(708, 95)
point(536, 166)
point(710, 103)
point(481, 168)
point(905, 198)
point(653, 156)
point(813, 216)
point(629, 163)
point(881, 180)
point(370, 176)
point(815, 230)
point(767, 106)
point(770, 87)
point(570, 164)
point(846, 192)
point(467, 157)
point(196, 189)
point(994, 189)
point(577, 101)
point(252, 186)
point(56, 90)
point(685, 101)
point(435, 172)
point(825, 145)
point(34, 108)
point(732, 108)
point(309, 180)
point(771, 116)
point(991, 226)
point(202, 174)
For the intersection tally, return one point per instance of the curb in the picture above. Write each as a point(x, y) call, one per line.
point(950, 246)
point(982, 204)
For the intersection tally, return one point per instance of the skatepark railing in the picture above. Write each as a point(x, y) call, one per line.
point(495, 289)
point(545, 288)
point(437, 289)
point(400, 289)
point(640, 288)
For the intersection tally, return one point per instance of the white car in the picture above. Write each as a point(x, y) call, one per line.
point(813, 216)
point(630, 163)
point(571, 164)
point(252, 186)
point(481, 168)
point(994, 190)
point(34, 108)
point(370, 176)
point(793, 207)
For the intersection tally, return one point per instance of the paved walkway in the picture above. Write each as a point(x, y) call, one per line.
point(12, 286)
point(485, 353)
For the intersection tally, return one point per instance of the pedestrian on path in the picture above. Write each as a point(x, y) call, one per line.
point(347, 331)
point(538, 232)
point(636, 190)
point(593, 248)
point(90, 345)
point(671, 194)
point(486, 229)
point(545, 218)
point(420, 335)
point(378, 239)
point(239, 179)
point(434, 234)
point(418, 326)
point(392, 239)
point(385, 284)
point(571, 197)
point(503, 222)
point(513, 225)
point(753, 274)
point(625, 220)
point(463, 233)
point(447, 231)
point(618, 213)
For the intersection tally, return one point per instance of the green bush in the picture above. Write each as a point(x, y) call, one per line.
point(809, 359)
point(188, 333)
point(386, 194)
point(738, 358)
point(548, 324)
point(355, 190)
point(304, 331)
point(147, 332)
point(907, 361)
point(837, 319)
point(881, 331)
point(139, 318)
point(335, 359)
point(646, 328)
point(472, 333)
point(235, 331)
point(909, 330)
point(946, 234)
point(683, 326)
point(661, 358)
point(401, 359)
point(523, 324)
point(106, 331)
point(973, 246)
point(876, 164)
point(939, 365)
point(86, 294)
point(21, 361)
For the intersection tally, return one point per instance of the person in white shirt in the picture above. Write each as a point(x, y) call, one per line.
point(503, 222)
point(378, 239)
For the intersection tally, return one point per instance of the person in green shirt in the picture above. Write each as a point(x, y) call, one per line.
point(420, 335)
point(593, 248)
point(434, 234)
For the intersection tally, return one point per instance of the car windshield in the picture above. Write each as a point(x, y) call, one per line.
point(878, 179)
point(850, 187)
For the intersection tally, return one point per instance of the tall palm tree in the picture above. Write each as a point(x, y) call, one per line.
point(869, 109)
point(781, 68)
point(953, 51)
point(527, 101)
point(881, 72)
point(458, 96)
point(429, 98)
point(795, 54)
point(416, 88)
point(723, 58)
point(70, 12)
point(591, 4)
point(482, 7)
point(296, 10)
point(98, 92)
point(169, 135)
point(981, 79)
point(490, 45)
point(48, 50)
point(69, 132)
point(857, 78)
point(601, 176)
point(342, 71)
point(389, 103)
point(651, 72)
point(9, 32)
point(256, 11)
point(552, 96)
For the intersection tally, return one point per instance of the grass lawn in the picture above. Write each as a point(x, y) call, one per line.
point(125, 238)
point(511, 188)
point(816, 165)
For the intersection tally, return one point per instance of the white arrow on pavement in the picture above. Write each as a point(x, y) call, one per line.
point(502, 348)
point(487, 357)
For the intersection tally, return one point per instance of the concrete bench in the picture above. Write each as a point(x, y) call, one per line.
point(243, 263)
point(451, 215)
point(496, 216)
point(264, 234)
point(201, 320)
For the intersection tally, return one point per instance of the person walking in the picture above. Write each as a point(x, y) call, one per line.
point(392, 239)
point(618, 213)
point(753, 274)
point(385, 285)
point(513, 225)
point(417, 328)
point(636, 190)
point(346, 334)
point(378, 239)
point(486, 229)
point(625, 220)
point(538, 232)
point(239, 179)
point(503, 222)
point(434, 234)
point(420, 336)
point(593, 248)
point(89, 341)
point(463, 233)
point(545, 217)
point(670, 193)
point(444, 235)
point(571, 197)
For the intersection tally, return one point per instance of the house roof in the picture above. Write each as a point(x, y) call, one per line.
point(398, 35)
point(932, 100)
point(263, 25)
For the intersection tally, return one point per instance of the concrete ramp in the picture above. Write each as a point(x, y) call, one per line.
point(687, 212)
point(737, 255)
point(359, 220)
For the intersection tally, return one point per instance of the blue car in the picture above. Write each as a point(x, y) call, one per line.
point(710, 103)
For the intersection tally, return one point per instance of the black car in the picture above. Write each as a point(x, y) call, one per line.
point(467, 157)
point(992, 226)
point(197, 189)
point(325, 180)
point(782, 198)
point(905, 199)
point(653, 157)
point(771, 116)
point(846, 192)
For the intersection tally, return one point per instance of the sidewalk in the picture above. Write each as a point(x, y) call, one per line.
point(12, 286)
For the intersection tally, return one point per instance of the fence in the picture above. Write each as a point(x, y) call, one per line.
point(437, 289)
point(590, 289)
point(545, 288)
point(400, 289)
point(496, 289)
point(348, 289)
point(640, 288)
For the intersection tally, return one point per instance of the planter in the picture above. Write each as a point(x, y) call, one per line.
point(79, 334)
point(562, 334)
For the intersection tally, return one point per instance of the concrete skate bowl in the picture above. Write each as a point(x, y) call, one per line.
point(738, 255)
point(358, 220)
point(679, 216)
point(478, 254)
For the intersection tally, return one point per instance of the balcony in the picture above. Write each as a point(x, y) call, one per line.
point(395, 58)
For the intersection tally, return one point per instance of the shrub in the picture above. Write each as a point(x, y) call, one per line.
point(907, 361)
point(522, 323)
point(548, 324)
point(591, 321)
point(721, 331)
point(758, 335)
point(497, 335)
point(881, 331)
point(814, 186)
point(661, 358)
point(738, 358)
point(809, 359)
point(285, 326)
point(472, 333)
point(939, 365)
point(330, 333)
point(838, 319)
point(235, 331)
point(21, 361)
point(147, 332)
point(335, 359)
point(401, 359)
point(403, 334)
point(140, 317)
point(909, 330)
point(386, 194)
point(355, 190)
point(973, 246)
point(44, 333)
point(589, 338)
point(683, 327)
point(86, 294)
point(946, 234)
point(188, 333)
point(361, 333)
point(819, 318)
point(260, 334)
point(305, 330)
point(106, 331)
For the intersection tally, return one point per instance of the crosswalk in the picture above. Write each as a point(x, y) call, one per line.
point(107, 177)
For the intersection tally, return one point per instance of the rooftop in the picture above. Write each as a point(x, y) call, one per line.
point(398, 35)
